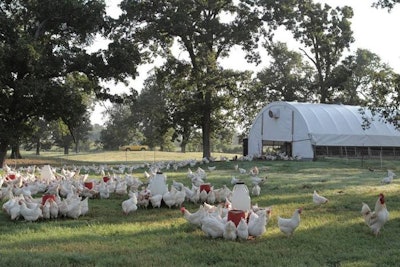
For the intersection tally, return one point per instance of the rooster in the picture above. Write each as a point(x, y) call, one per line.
point(287, 226)
point(376, 219)
point(318, 199)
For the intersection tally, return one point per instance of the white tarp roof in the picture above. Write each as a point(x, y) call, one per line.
point(341, 125)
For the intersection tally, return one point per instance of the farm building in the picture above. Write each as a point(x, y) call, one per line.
point(309, 130)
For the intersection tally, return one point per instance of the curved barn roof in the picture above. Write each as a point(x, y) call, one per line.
point(331, 124)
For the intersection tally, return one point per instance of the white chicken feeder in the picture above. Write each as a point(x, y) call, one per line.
point(47, 174)
point(240, 197)
point(158, 185)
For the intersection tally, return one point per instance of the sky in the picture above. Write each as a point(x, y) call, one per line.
point(373, 29)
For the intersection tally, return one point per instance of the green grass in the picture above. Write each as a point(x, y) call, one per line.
point(331, 235)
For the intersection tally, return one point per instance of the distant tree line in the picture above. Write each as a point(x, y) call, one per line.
point(49, 79)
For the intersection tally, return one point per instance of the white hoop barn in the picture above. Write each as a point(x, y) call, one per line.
point(306, 130)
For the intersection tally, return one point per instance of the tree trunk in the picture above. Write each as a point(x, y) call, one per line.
point(38, 147)
point(77, 146)
point(184, 142)
point(15, 152)
point(66, 150)
point(206, 125)
point(3, 152)
point(183, 147)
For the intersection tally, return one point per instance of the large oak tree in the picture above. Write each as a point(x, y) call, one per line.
point(41, 42)
point(204, 32)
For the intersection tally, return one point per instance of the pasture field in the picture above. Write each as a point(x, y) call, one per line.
point(331, 235)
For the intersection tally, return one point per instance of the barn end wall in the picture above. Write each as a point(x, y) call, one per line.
point(279, 122)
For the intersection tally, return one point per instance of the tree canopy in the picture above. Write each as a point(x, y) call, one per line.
point(41, 43)
point(324, 33)
point(205, 30)
point(389, 4)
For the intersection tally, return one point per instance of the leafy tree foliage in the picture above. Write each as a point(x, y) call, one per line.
point(40, 138)
point(360, 75)
point(287, 78)
point(200, 31)
point(119, 129)
point(324, 31)
point(386, 102)
point(389, 4)
point(149, 113)
point(40, 42)
point(184, 106)
point(181, 99)
point(61, 135)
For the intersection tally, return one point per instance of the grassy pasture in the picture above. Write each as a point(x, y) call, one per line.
point(331, 235)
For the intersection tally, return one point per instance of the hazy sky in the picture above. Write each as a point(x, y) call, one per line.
point(373, 29)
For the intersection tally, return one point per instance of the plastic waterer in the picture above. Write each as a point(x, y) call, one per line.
point(241, 197)
point(157, 185)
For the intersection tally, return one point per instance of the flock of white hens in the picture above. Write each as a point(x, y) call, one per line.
point(69, 191)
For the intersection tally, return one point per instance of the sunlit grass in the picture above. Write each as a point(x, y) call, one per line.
point(330, 235)
point(114, 157)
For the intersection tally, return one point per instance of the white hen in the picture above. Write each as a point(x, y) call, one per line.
point(288, 226)
point(212, 226)
point(389, 178)
point(74, 208)
point(195, 217)
point(256, 190)
point(318, 199)
point(243, 230)
point(30, 214)
point(180, 197)
point(230, 231)
point(169, 197)
point(155, 200)
point(84, 206)
point(129, 205)
point(258, 222)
